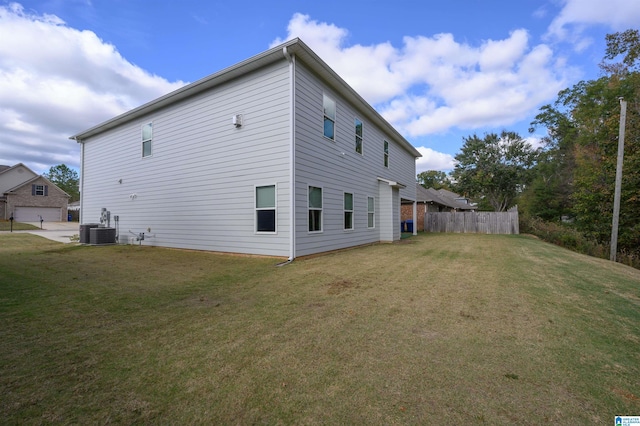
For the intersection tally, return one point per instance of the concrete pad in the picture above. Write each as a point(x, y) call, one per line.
point(61, 232)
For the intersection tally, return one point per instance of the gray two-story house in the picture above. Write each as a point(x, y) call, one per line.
point(275, 155)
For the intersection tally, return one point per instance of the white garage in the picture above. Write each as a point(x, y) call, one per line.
point(33, 214)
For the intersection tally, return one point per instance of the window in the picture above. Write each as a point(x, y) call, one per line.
point(38, 190)
point(386, 154)
point(348, 210)
point(266, 208)
point(329, 106)
point(315, 209)
point(147, 137)
point(358, 124)
point(371, 208)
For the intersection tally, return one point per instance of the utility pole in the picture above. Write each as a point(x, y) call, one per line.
point(616, 198)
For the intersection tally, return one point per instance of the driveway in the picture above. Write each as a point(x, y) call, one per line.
point(56, 231)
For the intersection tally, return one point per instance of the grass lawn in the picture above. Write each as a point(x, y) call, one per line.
point(436, 329)
point(5, 225)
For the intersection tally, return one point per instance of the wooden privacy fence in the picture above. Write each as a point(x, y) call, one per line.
point(473, 222)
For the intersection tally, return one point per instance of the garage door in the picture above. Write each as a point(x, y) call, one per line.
point(32, 214)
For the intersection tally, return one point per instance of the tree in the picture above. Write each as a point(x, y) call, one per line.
point(582, 150)
point(66, 179)
point(549, 195)
point(434, 179)
point(494, 169)
point(626, 43)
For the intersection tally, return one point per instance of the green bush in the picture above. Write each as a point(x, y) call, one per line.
point(565, 236)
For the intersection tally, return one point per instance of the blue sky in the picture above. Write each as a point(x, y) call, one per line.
point(437, 70)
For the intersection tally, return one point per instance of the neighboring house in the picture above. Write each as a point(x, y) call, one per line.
point(276, 155)
point(430, 200)
point(456, 197)
point(30, 197)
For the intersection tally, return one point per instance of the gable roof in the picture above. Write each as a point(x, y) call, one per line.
point(29, 181)
point(284, 51)
point(34, 179)
point(441, 197)
point(9, 179)
point(6, 169)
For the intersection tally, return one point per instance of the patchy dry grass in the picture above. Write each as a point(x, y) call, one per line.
point(454, 328)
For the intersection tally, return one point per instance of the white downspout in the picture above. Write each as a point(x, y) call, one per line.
point(415, 217)
point(81, 180)
point(292, 155)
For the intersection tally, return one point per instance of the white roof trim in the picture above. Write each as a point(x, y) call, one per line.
point(293, 47)
point(392, 183)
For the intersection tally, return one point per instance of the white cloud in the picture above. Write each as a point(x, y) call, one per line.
point(433, 160)
point(432, 84)
point(576, 15)
point(56, 81)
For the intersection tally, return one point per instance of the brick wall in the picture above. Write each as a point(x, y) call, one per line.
point(406, 213)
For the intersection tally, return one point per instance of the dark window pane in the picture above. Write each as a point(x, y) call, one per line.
point(315, 222)
point(266, 221)
point(348, 220)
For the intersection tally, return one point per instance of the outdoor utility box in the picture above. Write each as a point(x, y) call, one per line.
point(84, 232)
point(99, 236)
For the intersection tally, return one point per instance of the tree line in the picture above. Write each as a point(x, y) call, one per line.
point(570, 178)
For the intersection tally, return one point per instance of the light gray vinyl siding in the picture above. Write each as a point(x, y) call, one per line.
point(197, 188)
point(337, 168)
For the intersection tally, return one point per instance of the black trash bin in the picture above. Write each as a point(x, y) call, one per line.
point(409, 225)
point(403, 225)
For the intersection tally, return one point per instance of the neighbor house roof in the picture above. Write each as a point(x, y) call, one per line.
point(441, 197)
point(35, 176)
point(4, 169)
point(5, 172)
point(293, 47)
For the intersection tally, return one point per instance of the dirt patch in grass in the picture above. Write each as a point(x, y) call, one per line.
point(341, 285)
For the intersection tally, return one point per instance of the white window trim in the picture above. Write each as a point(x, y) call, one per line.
point(150, 140)
point(385, 153)
point(353, 209)
point(371, 212)
point(355, 131)
point(334, 119)
point(321, 210)
point(255, 209)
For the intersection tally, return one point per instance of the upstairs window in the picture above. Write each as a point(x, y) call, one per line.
point(386, 154)
point(266, 208)
point(348, 211)
point(147, 137)
point(358, 126)
point(39, 190)
point(329, 106)
point(315, 209)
